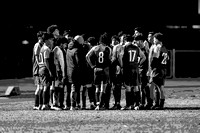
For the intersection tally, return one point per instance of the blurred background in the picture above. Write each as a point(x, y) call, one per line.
point(178, 20)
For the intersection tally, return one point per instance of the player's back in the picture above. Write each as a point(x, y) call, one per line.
point(131, 56)
point(103, 56)
point(44, 54)
point(36, 52)
point(161, 61)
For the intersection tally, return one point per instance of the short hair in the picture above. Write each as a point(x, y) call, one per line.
point(159, 36)
point(139, 29)
point(139, 37)
point(62, 40)
point(40, 33)
point(103, 38)
point(115, 37)
point(52, 28)
point(47, 36)
point(128, 38)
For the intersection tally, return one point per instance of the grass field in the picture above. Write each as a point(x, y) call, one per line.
point(182, 113)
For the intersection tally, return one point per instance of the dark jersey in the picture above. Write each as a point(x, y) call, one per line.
point(99, 56)
point(131, 56)
point(145, 63)
point(161, 61)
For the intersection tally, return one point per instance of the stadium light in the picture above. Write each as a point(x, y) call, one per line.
point(25, 42)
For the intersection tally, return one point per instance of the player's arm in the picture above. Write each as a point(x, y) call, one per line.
point(142, 56)
point(88, 57)
point(47, 60)
point(114, 53)
point(36, 52)
point(150, 57)
point(61, 61)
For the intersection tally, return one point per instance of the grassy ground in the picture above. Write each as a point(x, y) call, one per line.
point(181, 114)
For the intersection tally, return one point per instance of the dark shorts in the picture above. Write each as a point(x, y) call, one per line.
point(131, 77)
point(102, 75)
point(44, 76)
point(159, 79)
point(144, 78)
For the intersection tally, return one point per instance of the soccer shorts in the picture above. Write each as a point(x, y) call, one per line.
point(159, 79)
point(101, 75)
point(44, 76)
point(131, 77)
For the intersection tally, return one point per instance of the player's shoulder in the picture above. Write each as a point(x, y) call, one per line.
point(95, 48)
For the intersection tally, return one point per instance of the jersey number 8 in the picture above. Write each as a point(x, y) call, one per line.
point(100, 59)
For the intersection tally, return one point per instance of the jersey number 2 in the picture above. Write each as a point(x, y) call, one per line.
point(165, 56)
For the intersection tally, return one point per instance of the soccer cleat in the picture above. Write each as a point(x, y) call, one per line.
point(72, 108)
point(97, 107)
point(66, 108)
point(83, 108)
point(36, 108)
point(78, 107)
point(55, 108)
point(126, 108)
point(92, 107)
point(116, 107)
point(45, 107)
point(136, 108)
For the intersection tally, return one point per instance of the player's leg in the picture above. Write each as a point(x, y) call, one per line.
point(128, 97)
point(106, 88)
point(36, 79)
point(73, 96)
point(91, 95)
point(127, 83)
point(97, 96)
point(40, 97)
point(67, 96)
point(84, 95)
point(78, 96)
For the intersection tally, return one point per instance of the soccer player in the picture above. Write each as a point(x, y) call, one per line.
point(143, 69)
point(60, 77)
point(159, 67)
point(73, 71)
point(45, 73)
point(116, 73)
point(130, 65)
point(99, 58)
point(35, 59)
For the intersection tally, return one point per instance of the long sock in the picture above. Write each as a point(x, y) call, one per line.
point(143, 95)
point(115, 94)
point(132, 98)
point(107, 96)
point(97, 96)
point(40, 97)
point(118, 95)
point(90, 94)
point(37, 100)
point(51, 96)
point(61, 97)
point(128, 98)
point(84, 93)
point(48, 95)
point(102, 98)
point(44, 97)
point(137, 98)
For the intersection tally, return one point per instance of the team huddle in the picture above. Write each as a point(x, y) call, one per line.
point(97, 67)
